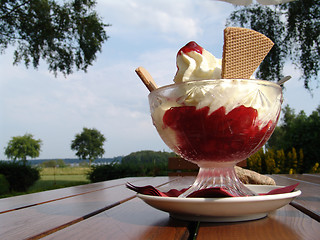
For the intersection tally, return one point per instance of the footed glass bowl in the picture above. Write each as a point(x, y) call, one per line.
point(215, 124)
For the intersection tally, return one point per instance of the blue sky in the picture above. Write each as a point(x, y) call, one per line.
point(110, 97)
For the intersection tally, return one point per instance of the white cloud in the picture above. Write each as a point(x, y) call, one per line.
point(164, 17)
point(296, 96)
point(110, 97)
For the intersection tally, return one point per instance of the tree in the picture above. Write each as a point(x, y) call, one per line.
point(65, 35)
point(301, 132)
point(294, 28)
point(88, 144)
point(21, 147)
point(49, 164)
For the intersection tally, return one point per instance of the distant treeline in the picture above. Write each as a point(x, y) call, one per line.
point(69, 161)
point(142, 163)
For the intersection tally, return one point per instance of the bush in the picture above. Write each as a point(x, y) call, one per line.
point(122, 170)
point(107, 172)
point(137, 164)
point(19, 176)
point(4, 185)
point(276, 162)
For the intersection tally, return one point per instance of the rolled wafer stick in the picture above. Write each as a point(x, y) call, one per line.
point(146, 78)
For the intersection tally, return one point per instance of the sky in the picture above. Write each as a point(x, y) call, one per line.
point(110, 97)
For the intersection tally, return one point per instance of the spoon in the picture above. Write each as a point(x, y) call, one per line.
point(283, 80)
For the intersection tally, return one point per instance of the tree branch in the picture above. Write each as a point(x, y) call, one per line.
point(13, 10)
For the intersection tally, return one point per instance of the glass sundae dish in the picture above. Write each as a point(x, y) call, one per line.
point(215, 124)
point(215, 115)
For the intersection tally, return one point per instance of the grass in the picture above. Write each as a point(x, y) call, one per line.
point(54, 178)
point(49, 182)
point(65, 171)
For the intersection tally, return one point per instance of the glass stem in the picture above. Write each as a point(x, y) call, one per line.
point(219, 177)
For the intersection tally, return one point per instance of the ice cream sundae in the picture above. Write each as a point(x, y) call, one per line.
point(211, 121)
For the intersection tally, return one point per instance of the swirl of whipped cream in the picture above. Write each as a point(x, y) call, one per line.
point(196, 63)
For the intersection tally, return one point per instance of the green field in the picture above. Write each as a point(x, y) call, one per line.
point(48, 182)
point(53, 178)
point(64, 171)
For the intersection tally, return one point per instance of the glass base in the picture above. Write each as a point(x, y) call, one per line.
point(222, 177)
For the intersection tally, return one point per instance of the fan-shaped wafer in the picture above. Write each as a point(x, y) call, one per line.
point(243, 51)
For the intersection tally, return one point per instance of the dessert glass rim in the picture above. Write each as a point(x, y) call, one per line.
point(257, 81)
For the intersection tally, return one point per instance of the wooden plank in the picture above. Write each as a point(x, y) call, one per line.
point(45, 218)
point(136, 220)
point(177, 163)
point(131, 220)
point(113, 212)
point(286, 223)
point(242, 164)
point(178, 183)
point(178, 166)
point(309, 200)
point(305, 177)
point(182, 174)
point(29, 200)
point(313, 174)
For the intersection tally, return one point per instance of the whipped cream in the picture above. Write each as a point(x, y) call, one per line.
point(261, 95)
point(196, 63)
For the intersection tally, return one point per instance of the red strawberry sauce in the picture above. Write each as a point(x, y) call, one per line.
point(218, 136)
point(191, 46)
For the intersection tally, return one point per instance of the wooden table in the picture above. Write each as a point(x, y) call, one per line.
point(107, 210)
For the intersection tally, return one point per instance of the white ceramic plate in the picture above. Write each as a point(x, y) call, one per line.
point(230, 209)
